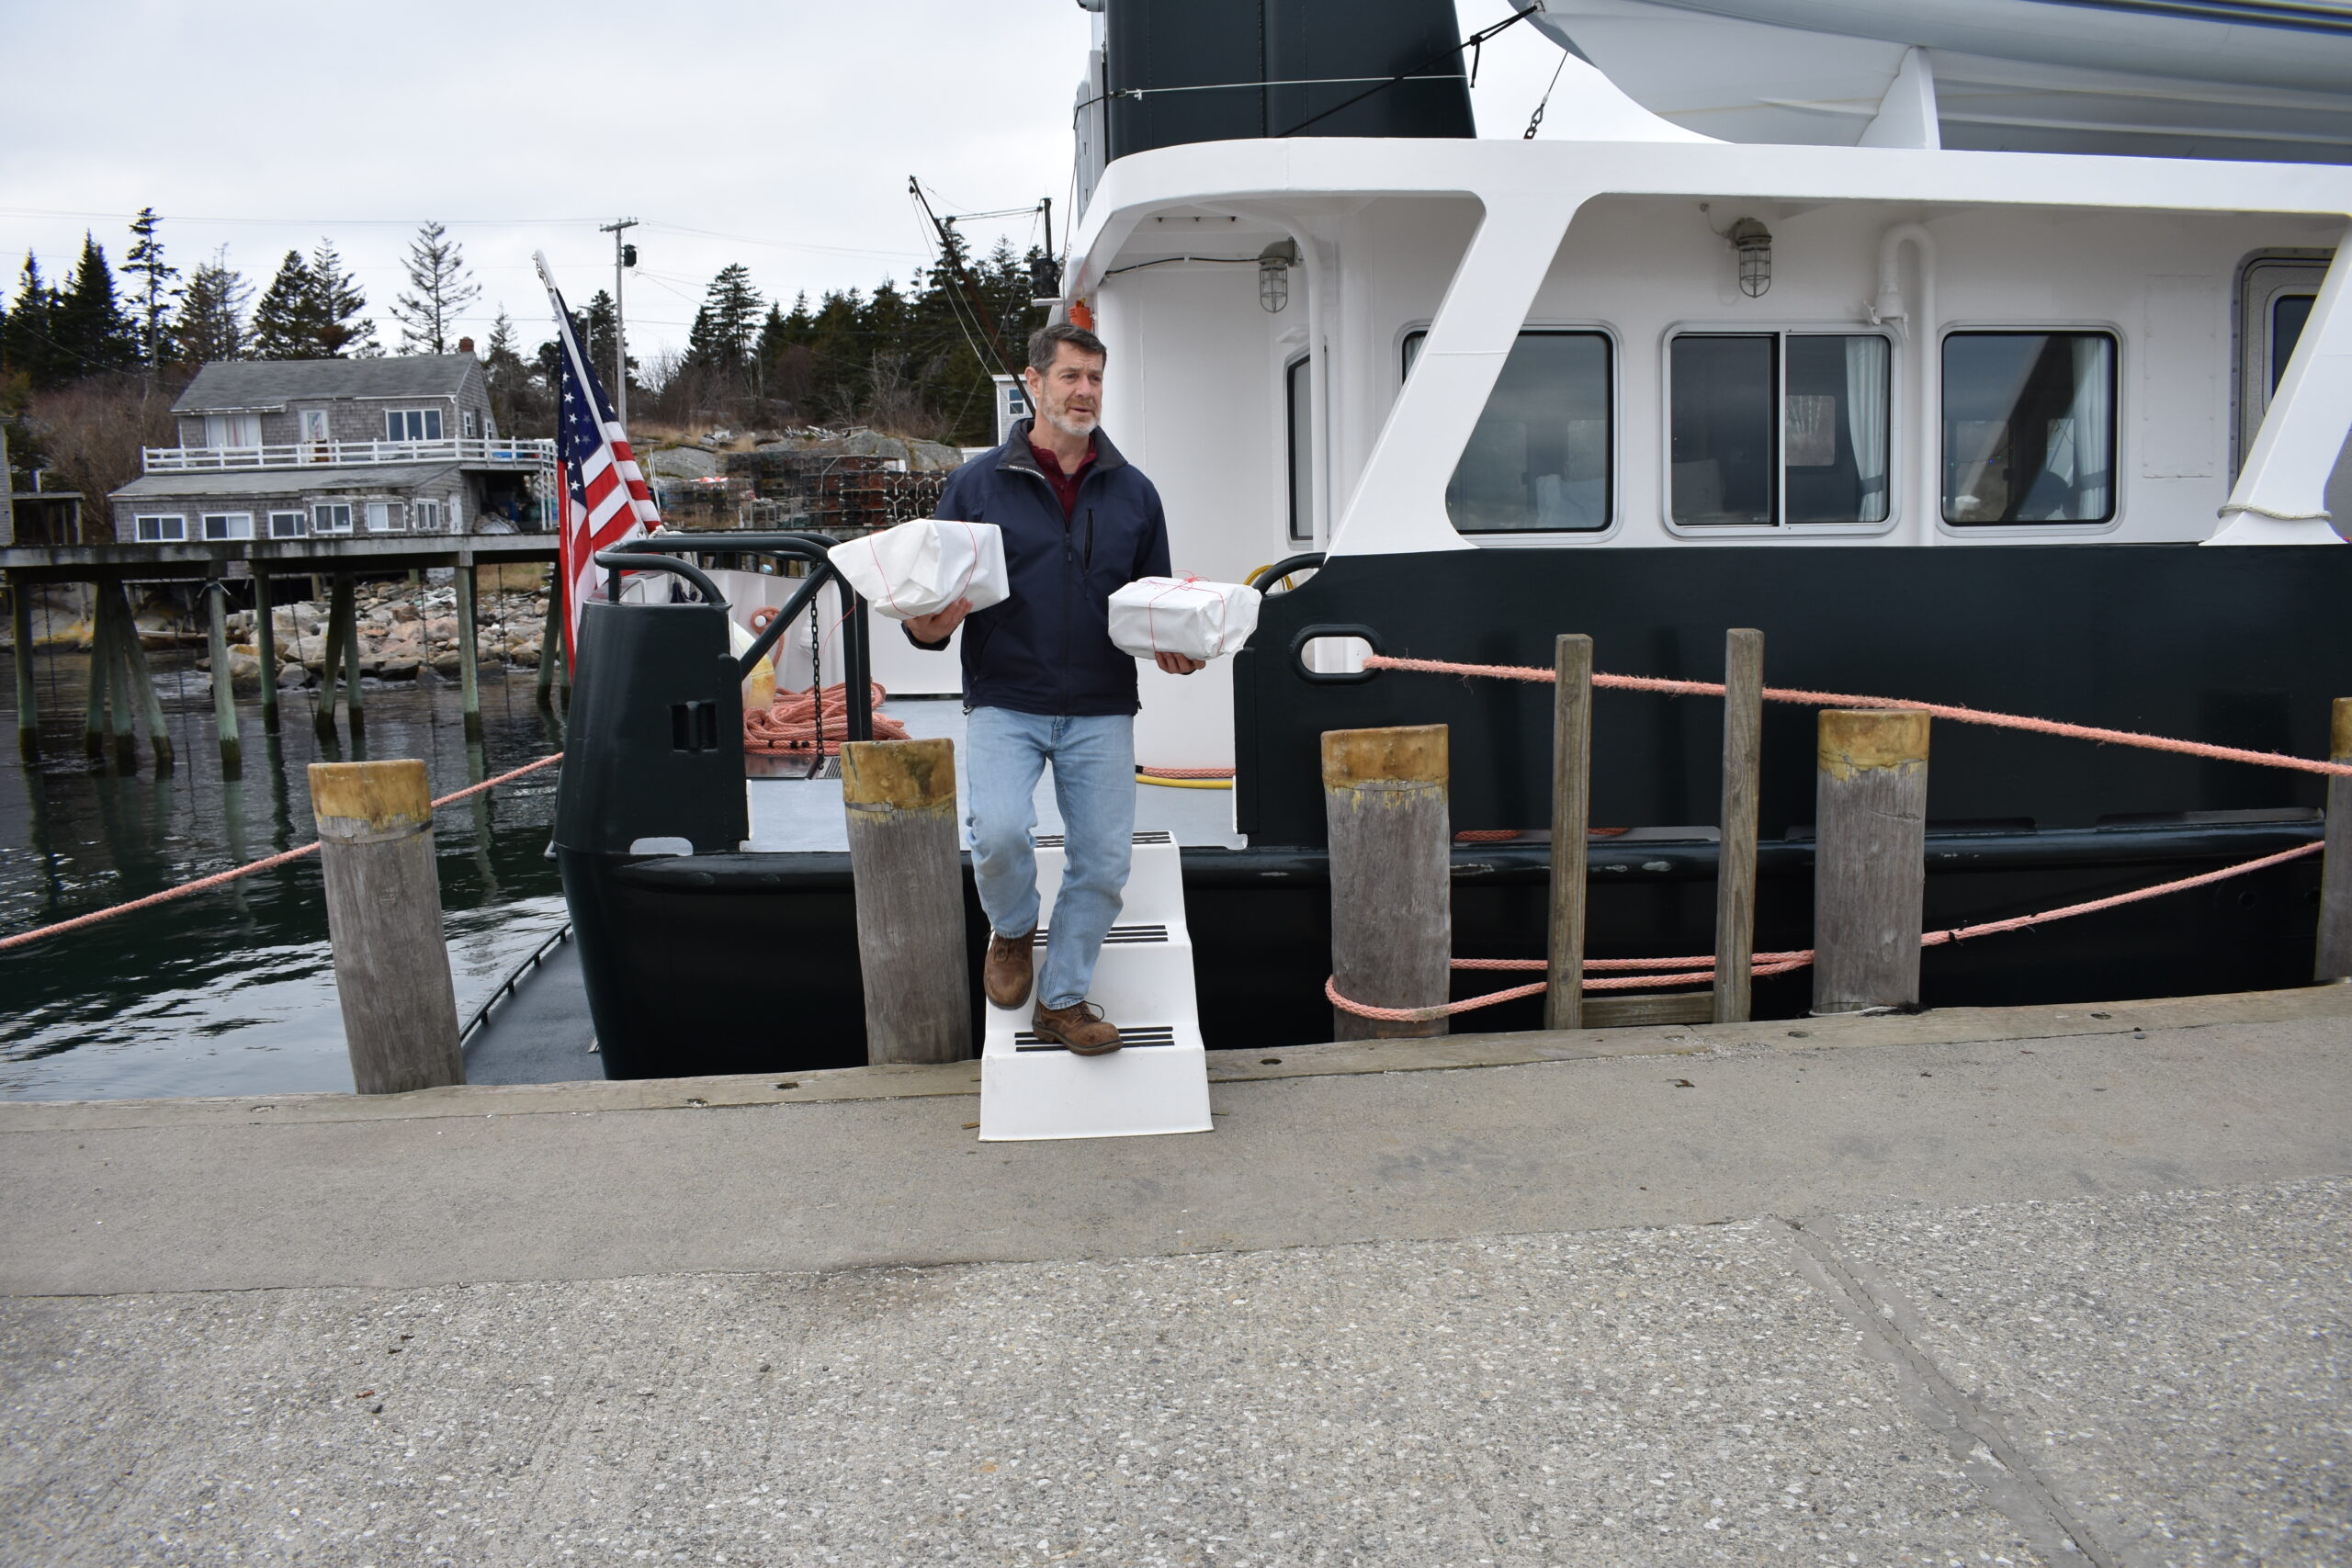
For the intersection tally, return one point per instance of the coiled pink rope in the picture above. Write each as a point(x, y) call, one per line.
point(221, 878)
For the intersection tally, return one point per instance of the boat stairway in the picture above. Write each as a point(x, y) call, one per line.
point(1158, 1082)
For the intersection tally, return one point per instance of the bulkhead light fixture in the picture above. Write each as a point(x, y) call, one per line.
point(1753, 243)
point(1274, 275)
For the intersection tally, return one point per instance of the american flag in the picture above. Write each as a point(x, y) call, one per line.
point(605, 501)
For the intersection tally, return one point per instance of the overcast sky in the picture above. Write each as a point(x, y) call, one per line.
point(778, 133)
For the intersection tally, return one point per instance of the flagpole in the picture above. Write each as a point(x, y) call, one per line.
point(565, 547)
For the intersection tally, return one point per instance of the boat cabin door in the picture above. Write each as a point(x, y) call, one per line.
point(2275, 298)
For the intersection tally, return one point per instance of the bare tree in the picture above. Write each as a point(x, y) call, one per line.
point(445, 287)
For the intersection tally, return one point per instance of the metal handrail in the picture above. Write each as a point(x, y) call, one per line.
point(618, 561)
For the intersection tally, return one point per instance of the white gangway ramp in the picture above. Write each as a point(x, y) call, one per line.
point(1158, 1081)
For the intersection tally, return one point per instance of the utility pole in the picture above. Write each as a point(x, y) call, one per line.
point(624, 256)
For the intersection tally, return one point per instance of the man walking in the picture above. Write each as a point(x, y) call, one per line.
point(1043, 681)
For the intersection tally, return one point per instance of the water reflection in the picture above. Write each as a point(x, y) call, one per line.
point(231, 992)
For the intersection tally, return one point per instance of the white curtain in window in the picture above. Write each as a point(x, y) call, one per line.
point(1866, 423)
point(2094, 426)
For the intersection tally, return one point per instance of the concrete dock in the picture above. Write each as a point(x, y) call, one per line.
point(2035, 1285)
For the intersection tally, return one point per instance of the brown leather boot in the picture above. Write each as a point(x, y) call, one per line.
point(1079, 1027)
point(1006, 974)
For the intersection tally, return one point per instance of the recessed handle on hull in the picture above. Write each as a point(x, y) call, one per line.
point(1332, 677)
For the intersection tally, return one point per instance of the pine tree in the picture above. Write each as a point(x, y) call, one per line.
point(727, 323)
point(509, 379)
point(151, 305)
point(436, 270)
point(88, 325)
point(28, 347)
point(281, 321)
point(212, 313)
point(334, 302)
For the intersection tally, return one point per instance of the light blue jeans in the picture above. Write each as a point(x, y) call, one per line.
point(1094, 784)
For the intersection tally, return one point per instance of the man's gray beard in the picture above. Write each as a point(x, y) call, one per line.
point(1070, 424)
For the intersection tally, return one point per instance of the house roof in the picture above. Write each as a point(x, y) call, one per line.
point(283, 482)
point(272, 383)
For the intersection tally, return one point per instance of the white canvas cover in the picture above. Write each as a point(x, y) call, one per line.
point(1182, 615)
point(920, 567)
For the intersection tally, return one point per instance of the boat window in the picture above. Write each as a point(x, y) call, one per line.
point(1298, 390)
point(1540, 459)
point(2287, 314)
point(1778, 427)
point(2028, 427)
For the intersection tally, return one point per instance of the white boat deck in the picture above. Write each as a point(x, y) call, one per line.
point(798, 815)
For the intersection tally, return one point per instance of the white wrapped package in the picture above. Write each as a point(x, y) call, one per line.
point(919, 568)
point(1182, 615)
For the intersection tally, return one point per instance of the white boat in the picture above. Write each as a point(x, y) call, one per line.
point(1931, 339)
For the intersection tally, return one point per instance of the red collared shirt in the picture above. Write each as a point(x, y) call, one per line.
point(1065, 485)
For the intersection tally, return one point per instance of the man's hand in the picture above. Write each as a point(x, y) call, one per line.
point(1177, 664)
point(938, 626)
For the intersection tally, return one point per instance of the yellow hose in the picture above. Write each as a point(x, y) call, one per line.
point(1183, 784)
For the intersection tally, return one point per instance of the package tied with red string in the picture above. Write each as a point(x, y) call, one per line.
point(920, 567)
point(1182, 615)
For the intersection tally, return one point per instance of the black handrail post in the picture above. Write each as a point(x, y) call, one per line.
point(860, 675)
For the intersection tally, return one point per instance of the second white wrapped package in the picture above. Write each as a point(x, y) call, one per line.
point(1182, 615)
point(920, 567)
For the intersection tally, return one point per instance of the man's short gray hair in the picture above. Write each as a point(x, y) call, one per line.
point(1046, 342)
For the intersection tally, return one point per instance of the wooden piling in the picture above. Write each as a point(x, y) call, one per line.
point(551, 658)
point(1571, 821)
point(20, 634)
point(330, 655)
point(266, 645)
point(1735, 852)
point(224, 689)
point(143, 681)
point(94, 721)
point(899, 796)
point(355, 705)
point(469, 669)
point(1384, 798)
point(1870, 858)
point(392, 969)
point(120, 677)
point(2335, 958)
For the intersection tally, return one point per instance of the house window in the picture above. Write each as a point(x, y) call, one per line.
point(430, 517)
point(2028, 427)
point(1541, 458)
point(288, 525)
point(1298, 387)
point(157, 530)
point(315, 428)
point(412, 425)
point(232, 430)
point(472, 424)
point(1765, 428)
point(331, 517)
point(385, 517)
point(227, 524)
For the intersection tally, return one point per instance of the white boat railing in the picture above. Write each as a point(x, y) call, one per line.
point(347, 454)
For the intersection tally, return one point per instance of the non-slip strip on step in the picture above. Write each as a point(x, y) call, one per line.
point(1149, 1035)
point(1118, 934)
point(1148, 836)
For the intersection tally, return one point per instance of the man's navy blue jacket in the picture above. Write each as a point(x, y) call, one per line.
point(1048, 647)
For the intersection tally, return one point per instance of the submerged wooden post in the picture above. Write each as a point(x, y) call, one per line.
point(330, 655)
point(354, 704)
point(94, 721)
point(1571, 821)
point(468, 670)
point(2334, 959)
point(900, 799)
point(552, 657)
point(392, 969)
point(142, 682)
point(224, 692)
point(20, 635)
point(121, 676)
point(1736, 858)
point(266, 646)
point(1392, 859)
point(1870, 868)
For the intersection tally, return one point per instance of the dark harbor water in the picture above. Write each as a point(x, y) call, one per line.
point(231, 991)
